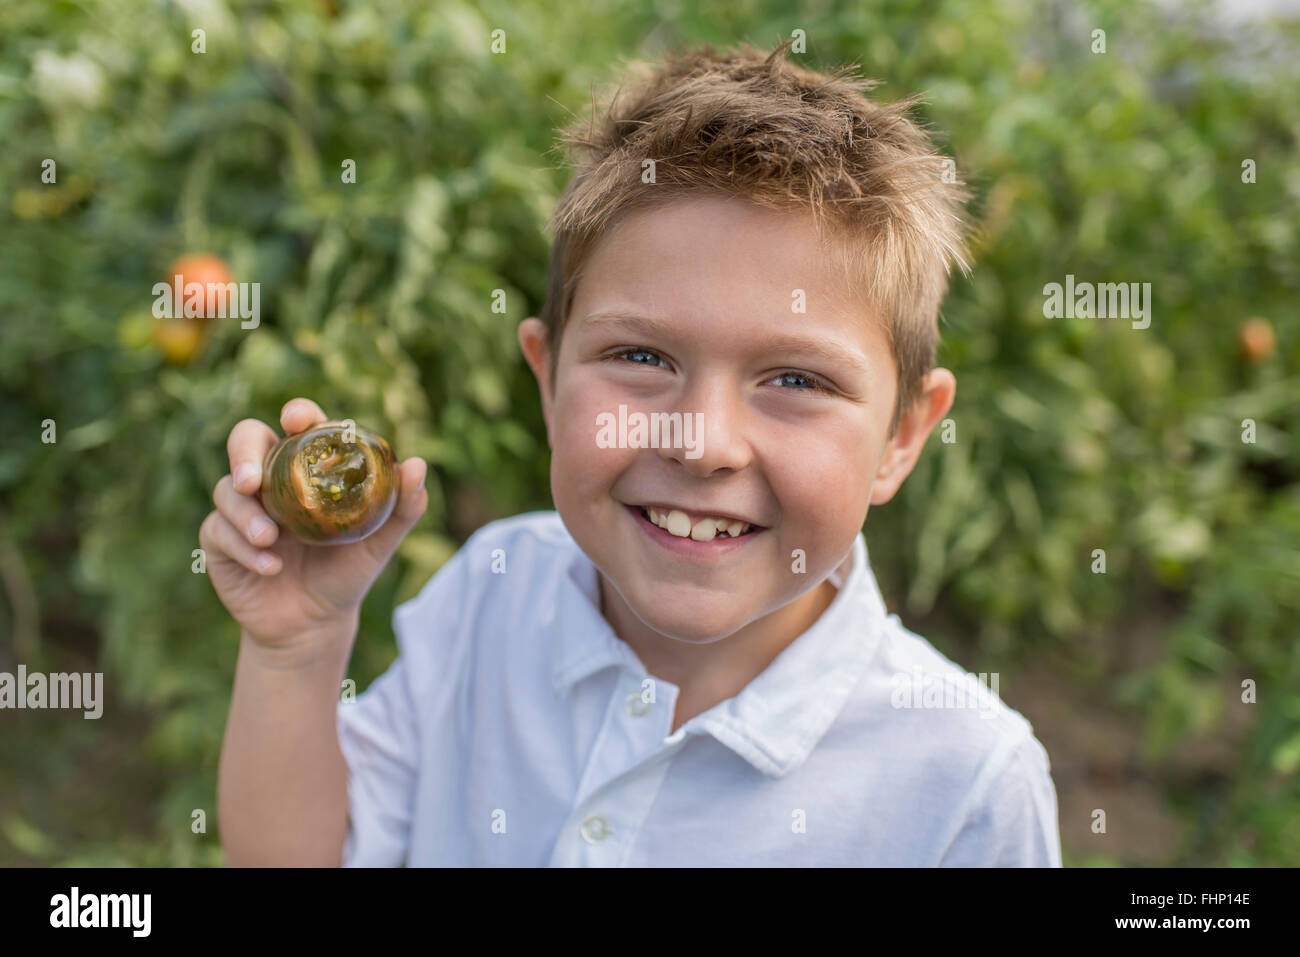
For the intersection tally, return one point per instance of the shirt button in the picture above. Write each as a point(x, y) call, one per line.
point(595, 830)
point(636, 705)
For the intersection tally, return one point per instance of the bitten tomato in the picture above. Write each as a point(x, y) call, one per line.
point(330, 485)
point(204, 269)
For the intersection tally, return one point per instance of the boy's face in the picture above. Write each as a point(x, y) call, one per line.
point(716, 282)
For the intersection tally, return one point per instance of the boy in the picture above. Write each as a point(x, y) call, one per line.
point(689, 662)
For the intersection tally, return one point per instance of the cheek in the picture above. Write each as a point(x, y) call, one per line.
point(578, 465)
point(827, 466)
point(822, 480)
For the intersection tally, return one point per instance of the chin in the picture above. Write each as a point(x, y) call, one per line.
point(682, 625)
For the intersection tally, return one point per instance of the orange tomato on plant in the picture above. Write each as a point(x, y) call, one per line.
point(1256, 340)
point(204, 269)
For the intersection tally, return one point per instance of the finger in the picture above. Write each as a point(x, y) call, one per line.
point(412, 497)
point(245, 513)
point(218, 537)
point(412, 500)
point(300, 414)
point(246, 447)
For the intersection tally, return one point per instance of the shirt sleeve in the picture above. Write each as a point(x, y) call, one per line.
point(377, 734)
point(1014, 823)
point(380, 731)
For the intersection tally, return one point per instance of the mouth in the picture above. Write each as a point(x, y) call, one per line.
point(699, 527)
point(693, 535)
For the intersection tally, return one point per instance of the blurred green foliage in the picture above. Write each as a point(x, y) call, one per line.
point(1071, 435)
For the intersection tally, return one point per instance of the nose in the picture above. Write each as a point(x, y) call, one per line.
point(713, 418)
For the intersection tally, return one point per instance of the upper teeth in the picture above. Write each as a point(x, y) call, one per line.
point(677, 522)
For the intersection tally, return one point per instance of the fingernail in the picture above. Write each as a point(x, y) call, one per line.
point(259, 526)
point(248, 472)
point(265, 562)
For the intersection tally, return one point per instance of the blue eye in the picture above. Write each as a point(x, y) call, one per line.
point(814, 384)
point(637, 352)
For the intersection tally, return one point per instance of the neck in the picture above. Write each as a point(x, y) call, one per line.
point(717, 669)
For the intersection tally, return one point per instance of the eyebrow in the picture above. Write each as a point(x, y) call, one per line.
point(825, 349)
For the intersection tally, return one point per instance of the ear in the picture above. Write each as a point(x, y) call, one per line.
point(938, 389)
point(535, 344)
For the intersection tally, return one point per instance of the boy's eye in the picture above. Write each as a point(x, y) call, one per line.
point(638, 352)
point(814, 384)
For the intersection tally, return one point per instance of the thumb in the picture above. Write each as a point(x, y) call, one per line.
point(411, 503)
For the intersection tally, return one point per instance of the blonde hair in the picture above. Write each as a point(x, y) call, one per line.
point(743, 123)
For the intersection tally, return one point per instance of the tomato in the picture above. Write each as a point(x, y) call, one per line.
point(331, 484)
point(1256, 340)
point(179, 340)
point(204, 269)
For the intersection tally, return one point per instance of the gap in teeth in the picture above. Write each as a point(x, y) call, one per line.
point(678, 523)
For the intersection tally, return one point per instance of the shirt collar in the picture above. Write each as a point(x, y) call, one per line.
point(778, 718)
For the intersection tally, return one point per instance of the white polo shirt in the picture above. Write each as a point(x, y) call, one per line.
point(516, 729)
